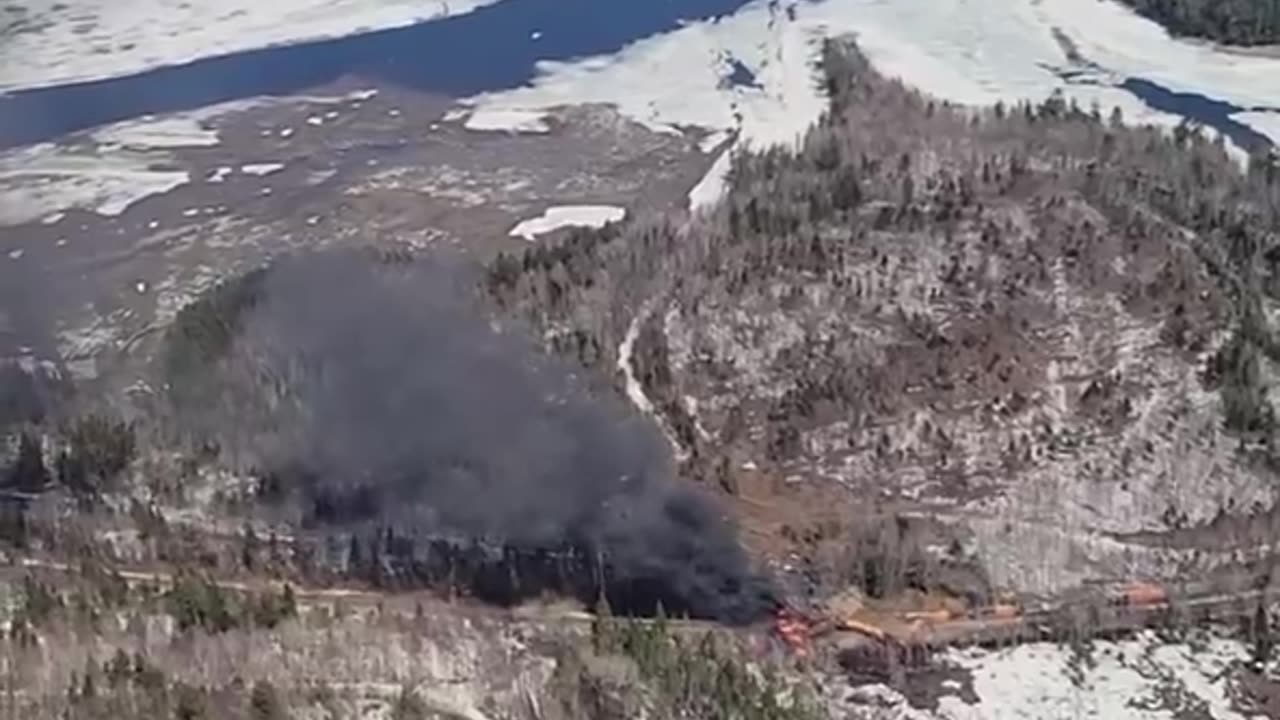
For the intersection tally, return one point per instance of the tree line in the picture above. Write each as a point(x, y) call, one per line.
point(1235, 22)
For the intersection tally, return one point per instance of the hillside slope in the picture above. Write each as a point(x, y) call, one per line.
point(926, 356)
point(1041, 328)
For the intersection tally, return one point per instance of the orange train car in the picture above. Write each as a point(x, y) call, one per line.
point(1142, 594)
point(930, 616)
point(794, 631)
point(1004, 612)
point(862, 628)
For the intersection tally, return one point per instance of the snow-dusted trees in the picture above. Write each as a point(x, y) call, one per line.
point(1237, 22)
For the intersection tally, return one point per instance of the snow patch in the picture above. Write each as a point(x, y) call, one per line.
point(632, 385)
point(317, 177)
point(712, 141)
point(519, 121)
point(89, 40)
point(568, 216)
point(43, 179)
point(1266, 123)
point(714, 185)
point(219, 174)
point(1135, 679)
point(183, 130)
point(261, 169)
point(634, 390)
point(675, 78)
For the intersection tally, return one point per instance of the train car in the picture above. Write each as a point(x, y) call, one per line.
point(794, 630)
point(862, 628)
point(934, 617)
point(1140, 594)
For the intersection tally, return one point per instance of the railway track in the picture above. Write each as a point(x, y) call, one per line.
point(914, 643)
point(410, 602)
point(1061, 622)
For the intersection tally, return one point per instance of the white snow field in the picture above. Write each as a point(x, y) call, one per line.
point(518, 121)
point(64, 41)
point(184, 130)
point(965, 51)
point(561, 216)
point(110, 168)
point(1267, 123)
point(1135, 679)
point(714, 184)
point(43, 180)
point(1140, 678)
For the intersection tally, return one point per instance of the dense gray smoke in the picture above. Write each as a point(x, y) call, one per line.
point(403, 414)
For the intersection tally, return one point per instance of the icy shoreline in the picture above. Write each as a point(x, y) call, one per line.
point(964, 52)
point(76, 41)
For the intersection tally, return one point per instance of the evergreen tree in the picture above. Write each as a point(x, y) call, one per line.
point(1263, 645)
point(264, 703)
point(28, 473)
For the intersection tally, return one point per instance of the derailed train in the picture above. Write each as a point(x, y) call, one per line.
point(881, 643)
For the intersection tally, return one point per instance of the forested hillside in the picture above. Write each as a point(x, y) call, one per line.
point(1026, 312)
point(1235, 22)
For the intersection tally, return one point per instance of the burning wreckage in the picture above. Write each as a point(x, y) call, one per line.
point(427, 446)
point(504, 574)
point(422, 445)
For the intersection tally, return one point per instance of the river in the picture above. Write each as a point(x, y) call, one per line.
point(492, 48)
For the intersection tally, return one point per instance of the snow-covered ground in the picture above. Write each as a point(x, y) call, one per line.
point(261, 169)
point(714, 184)
point(964, 51)
point(713, 141)
point(46, 179)
point(197, 128)
point(1140, 678)
point(1267, 123)
point(1137, 679)
point(677, 78)
point(568, 216)
point(184, 130)
point(51, 43)
point(115, 166)
point(521, 121)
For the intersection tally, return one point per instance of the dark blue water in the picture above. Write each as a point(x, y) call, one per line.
point(741, 76)
point(1212, 113)
point(488, 49)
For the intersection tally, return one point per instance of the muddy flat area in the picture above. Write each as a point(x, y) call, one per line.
point(83, 279)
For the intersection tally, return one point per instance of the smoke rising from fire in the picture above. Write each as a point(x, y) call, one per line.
point(400, 406)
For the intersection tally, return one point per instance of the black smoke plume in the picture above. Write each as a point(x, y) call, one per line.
point(448, 449)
